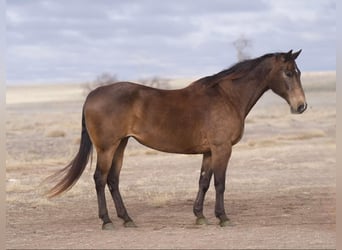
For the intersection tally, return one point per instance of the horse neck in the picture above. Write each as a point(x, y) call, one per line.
point(245, 91)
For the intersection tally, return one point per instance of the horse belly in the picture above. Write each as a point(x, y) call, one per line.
point(172, 144)
point(175, 135)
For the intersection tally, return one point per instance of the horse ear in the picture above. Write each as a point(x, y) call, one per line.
point(287, 56)
point(296, 54)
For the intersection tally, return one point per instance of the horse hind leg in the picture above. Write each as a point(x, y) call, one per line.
point(104, 159)
point(113, 184)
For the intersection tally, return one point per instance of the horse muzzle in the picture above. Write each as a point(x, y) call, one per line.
point(300, 108)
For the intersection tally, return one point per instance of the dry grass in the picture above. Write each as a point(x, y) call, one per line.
point(304, 136)
point(16, 186)
point(42, 201)
point(284, 139)
point(158, 199)
point(55, 133)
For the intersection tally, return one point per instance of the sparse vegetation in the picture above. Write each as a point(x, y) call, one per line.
point(55, 133)
point(108, 78)
point(100, 80)
point(155, 82)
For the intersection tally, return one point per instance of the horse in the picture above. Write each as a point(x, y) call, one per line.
point(207, 117)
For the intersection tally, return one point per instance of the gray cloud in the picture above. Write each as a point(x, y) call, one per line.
point(78, 39)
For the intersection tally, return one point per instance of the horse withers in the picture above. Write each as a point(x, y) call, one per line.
point(207, 117)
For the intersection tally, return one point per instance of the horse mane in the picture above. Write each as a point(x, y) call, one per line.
point(236, 71)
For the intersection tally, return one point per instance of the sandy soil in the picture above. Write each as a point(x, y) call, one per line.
point(280, 190)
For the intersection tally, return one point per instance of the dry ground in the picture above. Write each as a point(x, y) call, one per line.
point(280, 190)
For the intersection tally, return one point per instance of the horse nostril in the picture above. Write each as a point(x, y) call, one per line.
point(301, 108)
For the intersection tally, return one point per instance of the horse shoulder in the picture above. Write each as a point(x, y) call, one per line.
point(225, 122)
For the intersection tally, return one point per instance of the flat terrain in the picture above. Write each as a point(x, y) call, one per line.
point(280, 190)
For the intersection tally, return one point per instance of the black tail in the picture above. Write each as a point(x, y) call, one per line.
point(73, 171)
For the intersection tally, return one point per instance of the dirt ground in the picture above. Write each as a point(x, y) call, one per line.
point(280, 190)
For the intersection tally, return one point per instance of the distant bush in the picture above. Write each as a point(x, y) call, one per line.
point(107, 78)
point(100, 80)
point(155, 82)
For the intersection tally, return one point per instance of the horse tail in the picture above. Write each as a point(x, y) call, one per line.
point(72, 172)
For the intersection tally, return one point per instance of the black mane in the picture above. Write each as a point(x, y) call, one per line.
point(239, 69)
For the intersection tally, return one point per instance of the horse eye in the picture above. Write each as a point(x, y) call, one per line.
point(289, 73)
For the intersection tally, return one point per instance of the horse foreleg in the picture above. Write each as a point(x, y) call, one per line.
point(220, 160)
point(204, 182)
point(113, 184)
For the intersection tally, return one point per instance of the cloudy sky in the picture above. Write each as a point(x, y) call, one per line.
point(76, 40)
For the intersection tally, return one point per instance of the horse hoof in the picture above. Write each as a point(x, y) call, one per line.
point(201, 221)
point(108, 226)
point(225, 223)
point(129, 224)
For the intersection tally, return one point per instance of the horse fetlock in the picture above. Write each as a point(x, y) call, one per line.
point(221, 214)
point(105, 218)
point(224, 221)
point(198, 210)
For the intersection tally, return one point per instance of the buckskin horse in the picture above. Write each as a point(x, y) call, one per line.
point(206, 117)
